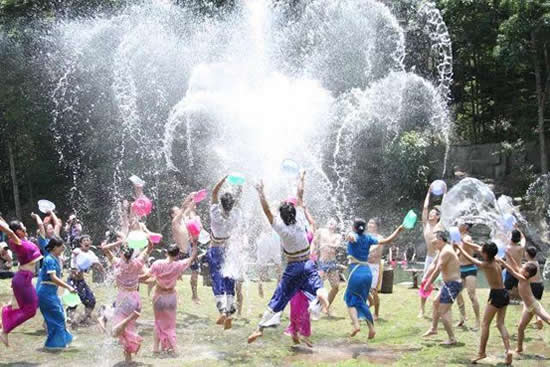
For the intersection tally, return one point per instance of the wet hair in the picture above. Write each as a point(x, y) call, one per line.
point(442, 236)
point(437, 210)
point(531, 251)
point(227, 201)
point(83, 237)
point(54, 242)
point(288, 213)
point(468, 226)
point(359, 225)
point(490, 249)
point(516, 236)
point(127, 252)
point(16, 225)
point(531, 269)
point(173, 250)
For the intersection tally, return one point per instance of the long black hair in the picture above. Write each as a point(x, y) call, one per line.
point(173, 250)
point(127, 252)
point(54, 242)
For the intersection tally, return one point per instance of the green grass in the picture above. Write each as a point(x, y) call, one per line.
point(202, 343)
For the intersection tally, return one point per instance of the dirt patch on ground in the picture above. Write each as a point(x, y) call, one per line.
point(343, 350)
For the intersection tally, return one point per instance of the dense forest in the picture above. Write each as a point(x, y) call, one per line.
point(500, 91)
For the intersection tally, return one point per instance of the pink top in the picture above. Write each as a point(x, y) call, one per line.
point(27, 252)
point(127, 272)
point(167, 273)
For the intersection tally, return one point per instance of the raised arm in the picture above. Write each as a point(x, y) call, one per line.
point(310, 219)
point(264, 203)
point(426, 207)
point(216, 190)
point(392, 236)
point(300, 190)
point(107, 251)
point(145, 254)
point(468, 256)
point(4, 227)
point(511, 269)
point(57, 223)
point(39, 224)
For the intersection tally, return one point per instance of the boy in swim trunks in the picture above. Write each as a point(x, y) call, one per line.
point(514, 251)
point(537, 286)
point(449, 266)
point(498, 298)
point(468, 273)
point(430, 223)
point(531, 306)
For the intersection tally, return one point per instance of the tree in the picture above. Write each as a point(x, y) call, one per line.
point(524, 38)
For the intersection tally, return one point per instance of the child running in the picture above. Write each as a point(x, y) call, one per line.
point(531, 306)
point(537, 285)
point(498, 298)
point(449, 266)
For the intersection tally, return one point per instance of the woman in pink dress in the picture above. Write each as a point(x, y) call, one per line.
point(165, 274)
point(24, 292)
point(127, 272)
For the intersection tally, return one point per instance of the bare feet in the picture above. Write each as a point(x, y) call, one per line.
point(429, 333)
point(372, 333)
point(196, 300)
point(509, 358)
point(354, 332)
point(4, 339)
point(479, 357)
point(519, 350)
point(539, 325)
point(449, 342)
point(295, 339)
point(421, 315)
point(375, 318)
point(460, 323)
point(307, 342)
point(228, 323)
point(221, 320)
point(255, 335)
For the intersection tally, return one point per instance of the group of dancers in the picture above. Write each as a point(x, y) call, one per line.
point(310, 255)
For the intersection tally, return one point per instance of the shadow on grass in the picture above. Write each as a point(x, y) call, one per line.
point(19, 364)
point(38, 332)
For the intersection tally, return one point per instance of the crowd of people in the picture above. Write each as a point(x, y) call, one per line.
point(308, 252)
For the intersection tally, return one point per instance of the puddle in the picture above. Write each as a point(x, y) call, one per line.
point(338, 352)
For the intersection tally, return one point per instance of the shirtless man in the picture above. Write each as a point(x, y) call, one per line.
point(326, 242)
point(375, 258)
point(468, 273)
point(430, 223)
point(449, 266)
point(498, 297)
point(531, 306)
point(515, 250)
point(537, 284)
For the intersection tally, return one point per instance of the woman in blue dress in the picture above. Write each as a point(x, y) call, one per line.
point(360, 277)
point(48, 301)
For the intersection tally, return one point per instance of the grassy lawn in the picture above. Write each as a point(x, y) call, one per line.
point(202, 343)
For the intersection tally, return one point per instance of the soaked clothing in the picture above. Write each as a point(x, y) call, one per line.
point(51, 307)
point(538, 290)
point(510, 281)
point(499, 298)
point(165, 300)
point(360, 276)
point(223, 287)
point(293, 238)
point(468, 270)
point(450, 291)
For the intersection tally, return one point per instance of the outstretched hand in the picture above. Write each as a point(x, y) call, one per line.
point(34, 216)
point(260, 187)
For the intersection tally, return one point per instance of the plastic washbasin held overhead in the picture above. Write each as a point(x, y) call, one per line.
point(46, 206)
point(236, 179)
point(410, 220)
point(438, 187)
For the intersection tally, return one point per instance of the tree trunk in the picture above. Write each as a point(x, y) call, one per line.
point(541, 100)
point(14, 181)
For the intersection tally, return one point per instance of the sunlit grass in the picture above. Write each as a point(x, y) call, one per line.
point(202, 343)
